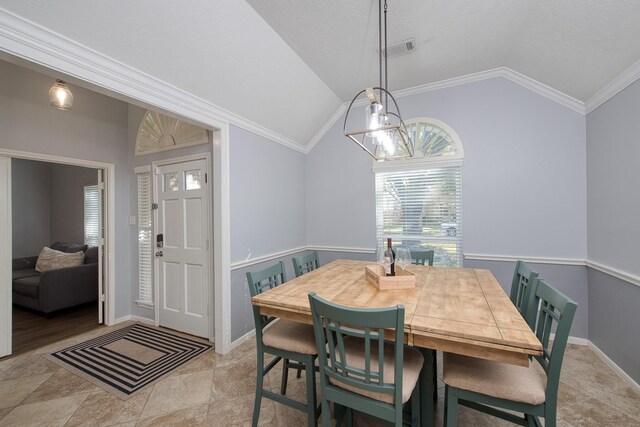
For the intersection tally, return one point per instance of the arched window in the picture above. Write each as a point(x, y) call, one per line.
point(419, 200)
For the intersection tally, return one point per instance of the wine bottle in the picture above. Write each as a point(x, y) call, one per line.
point(390, 259)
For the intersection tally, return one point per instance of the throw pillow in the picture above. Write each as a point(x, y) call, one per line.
point(68, 247)
point(50, 259)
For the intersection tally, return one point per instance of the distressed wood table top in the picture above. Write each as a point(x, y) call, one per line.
point(458, 310)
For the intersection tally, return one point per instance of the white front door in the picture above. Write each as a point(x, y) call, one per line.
point(183, 259)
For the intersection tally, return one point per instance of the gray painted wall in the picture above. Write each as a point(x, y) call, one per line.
point(268, 196)
point(613, 205)
point(268, 212)
point(613, 232)
point(613, 320)
point(67, 201)
point(47, 204)
point(524, 176)
point(569, 279)
point(96, 129)
point(30, 207)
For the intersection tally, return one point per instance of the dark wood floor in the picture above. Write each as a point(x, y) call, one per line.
point(32, 330)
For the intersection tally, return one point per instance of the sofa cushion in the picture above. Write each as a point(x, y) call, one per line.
point(91, 255)
point(50, 259)
point(24, 263)
point(27, 286)
point(68, 247)
point(27, 272)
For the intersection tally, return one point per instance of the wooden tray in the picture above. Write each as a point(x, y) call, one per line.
point(402, 280)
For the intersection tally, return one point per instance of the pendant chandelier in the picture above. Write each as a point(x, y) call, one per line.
point(385, 135)
point(60, 96)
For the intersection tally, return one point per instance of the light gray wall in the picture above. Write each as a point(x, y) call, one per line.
point(613, 209)
point(268, 196)
point(613, 320)
point(613, 205)
point(136, 115)
point(67, 201)
point(96, 129)
point(524, 174)
point(30, 207)
point(569, 279)
point(268, 211)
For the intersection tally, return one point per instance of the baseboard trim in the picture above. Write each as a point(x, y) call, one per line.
point(578, 341)
point(617, 369)
point(242, 339)
point(131, 317)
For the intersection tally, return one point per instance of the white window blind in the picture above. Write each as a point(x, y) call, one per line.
point(422, 209)
point(91, 215)
point(145, 240)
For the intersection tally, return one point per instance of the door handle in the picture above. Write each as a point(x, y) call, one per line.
point(159, 253)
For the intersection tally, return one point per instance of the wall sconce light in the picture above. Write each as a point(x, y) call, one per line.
point(60, 95)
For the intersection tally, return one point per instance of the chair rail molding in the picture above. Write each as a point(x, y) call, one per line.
point(529, 259)
point(612, 271)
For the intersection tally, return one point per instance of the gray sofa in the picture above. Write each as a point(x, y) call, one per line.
point(54, 290)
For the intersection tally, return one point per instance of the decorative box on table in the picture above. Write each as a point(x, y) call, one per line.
point(402, 280)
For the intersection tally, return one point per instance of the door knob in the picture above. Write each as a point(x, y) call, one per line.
point(159, 253)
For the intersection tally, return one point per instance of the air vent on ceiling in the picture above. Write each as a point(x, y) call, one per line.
point(400, 48)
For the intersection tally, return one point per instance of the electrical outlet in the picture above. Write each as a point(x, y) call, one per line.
point(132, 220)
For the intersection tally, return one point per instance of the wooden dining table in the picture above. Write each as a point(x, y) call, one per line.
point(456, 310)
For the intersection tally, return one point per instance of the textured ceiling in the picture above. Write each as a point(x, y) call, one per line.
point(574, 46)
point(287, 65)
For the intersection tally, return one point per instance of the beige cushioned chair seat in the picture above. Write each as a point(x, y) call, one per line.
point(290, 336)
point(501, 380)
point(413, 360)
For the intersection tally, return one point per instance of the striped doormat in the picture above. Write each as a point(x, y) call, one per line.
point(128, 360)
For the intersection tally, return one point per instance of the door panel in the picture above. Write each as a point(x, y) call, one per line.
point(193, 224)
point(194, 301)
point(183, 262)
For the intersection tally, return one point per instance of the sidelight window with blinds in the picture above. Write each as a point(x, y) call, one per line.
point(419, 201)
point(91, 215)
point(145, 239)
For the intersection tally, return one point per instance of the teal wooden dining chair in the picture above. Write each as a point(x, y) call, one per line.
point(426, 258)
point(520, 293)
point(292, 342)
point(486, 386)
point(361, 371)
point(422, 257)
point(305, 263)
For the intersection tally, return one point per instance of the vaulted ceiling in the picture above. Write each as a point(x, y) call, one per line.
point(287, 65)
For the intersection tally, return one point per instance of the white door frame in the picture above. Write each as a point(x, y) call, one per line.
point(156, 285)
point(35, 44)
point(5, 241)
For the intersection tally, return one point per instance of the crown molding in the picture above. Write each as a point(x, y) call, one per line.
point(37, 44)
point(612, 89)
point(504, 72)
point(507, 73)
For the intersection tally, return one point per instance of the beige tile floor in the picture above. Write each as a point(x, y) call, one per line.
point(218, 391)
